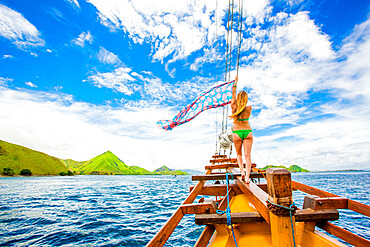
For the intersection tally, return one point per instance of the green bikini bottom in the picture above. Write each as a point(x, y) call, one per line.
point(242, 133)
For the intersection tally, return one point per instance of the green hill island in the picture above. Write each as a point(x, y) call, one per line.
point(292, 168)
point(15, 158)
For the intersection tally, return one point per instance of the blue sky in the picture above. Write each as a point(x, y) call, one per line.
point(78, 78)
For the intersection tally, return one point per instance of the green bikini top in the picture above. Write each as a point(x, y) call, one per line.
point(243, 119)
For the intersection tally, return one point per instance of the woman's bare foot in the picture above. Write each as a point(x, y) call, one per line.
point(243, 174)
point(247, 180)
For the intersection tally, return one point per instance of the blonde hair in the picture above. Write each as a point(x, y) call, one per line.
point(241, 103)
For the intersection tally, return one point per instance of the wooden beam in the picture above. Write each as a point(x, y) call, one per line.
point(222, 166)
point(345, 235)
point(198, 208)
point(236, 218)
point(223, 160)
point(316, 215)
point(161, 237)
point(257, 197)
point(223, 203)
point(303, 215)
point(311, 190)
point(191, 197)
point(359, 207)
point(263, 186)
point(352, 205)
point(222, 176)
point(216, 189)
point(206, 235)
point(219, 156)
point(208, 230)
point(328, 203)
point(165, 232)
point(279, 188)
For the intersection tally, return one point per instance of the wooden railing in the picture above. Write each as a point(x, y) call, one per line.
point(320, 199)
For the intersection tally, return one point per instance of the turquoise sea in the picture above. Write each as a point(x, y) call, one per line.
point(129, 210)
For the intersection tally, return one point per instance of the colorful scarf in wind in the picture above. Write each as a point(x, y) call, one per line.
point(215, 97)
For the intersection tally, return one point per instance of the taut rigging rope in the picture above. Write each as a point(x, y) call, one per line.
point(225, 138)
point(240, 34)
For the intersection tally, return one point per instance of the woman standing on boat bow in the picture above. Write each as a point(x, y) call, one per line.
point(242, 132)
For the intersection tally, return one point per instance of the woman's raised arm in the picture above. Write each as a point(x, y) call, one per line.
point(233, 98)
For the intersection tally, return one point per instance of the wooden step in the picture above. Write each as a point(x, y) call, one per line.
point(223, 160)
point(221, 166)
point(219, 156)
point(236, 218)
point(222, 176)
point(216, 189)
point(245, 217)
point(316, 215)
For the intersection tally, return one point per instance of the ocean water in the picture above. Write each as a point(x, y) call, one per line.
point(129, 210)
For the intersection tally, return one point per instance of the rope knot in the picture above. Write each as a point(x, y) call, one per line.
point(280, 209)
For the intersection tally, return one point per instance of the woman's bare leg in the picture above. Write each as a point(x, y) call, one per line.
point(238, 143)
point(247, 143)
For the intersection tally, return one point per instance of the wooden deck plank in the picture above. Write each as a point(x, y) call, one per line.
point(330, 203)
point(221, 166)
point(316, 215)
point(257, 197)
point(236, 218)
point(222, 176)
point(223, 160)
point(219, 156)
point(198, 208)
point(306, 215)
point(216, 189)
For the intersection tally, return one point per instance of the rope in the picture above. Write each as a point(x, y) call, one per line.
point(226, 61)
point(290, 208)
point(228, 211)
point(227, 40)
point(216, 17)
point(239, 34)
point(231, 48)
point(228, 53)
point(231, 37)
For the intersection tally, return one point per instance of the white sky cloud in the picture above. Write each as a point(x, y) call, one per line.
point(174, 28)
point(83, 38)
point(256, 11)
point(30, 84)
point(119, 80)
point(151, 88)
point(7, 56)
point(18, 30)
point(4, 81)
point(107, 57)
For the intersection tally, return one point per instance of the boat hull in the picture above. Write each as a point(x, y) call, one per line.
point(258, 234)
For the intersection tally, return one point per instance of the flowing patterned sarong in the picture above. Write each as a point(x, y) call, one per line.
point(215, 97)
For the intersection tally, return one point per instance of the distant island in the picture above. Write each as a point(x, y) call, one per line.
point(19, 160)
point(292, 168)
point(345, 170)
